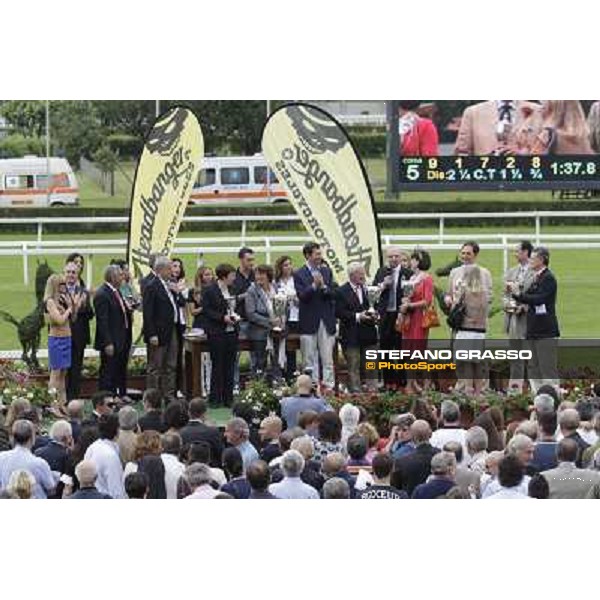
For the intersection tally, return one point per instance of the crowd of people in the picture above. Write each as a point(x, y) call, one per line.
point(309, 452)
point(269, 306)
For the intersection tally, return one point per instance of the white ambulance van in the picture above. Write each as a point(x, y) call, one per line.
point(236, 180)
point(24, 182)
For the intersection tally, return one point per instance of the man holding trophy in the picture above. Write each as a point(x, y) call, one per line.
point(358, 331)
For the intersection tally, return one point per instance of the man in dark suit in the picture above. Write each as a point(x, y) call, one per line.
point(113, 332)
point(315, 288)
point(86, 474)
point(542, 324)
point(389, 279)
point(56, 451)
point(153, 417)
point(197, 431)
point(80, 327)
point(357, 324)
point(161, 319)
point(415, 467)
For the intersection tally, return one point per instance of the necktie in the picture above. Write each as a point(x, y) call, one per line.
point(359, 294)
point(505, 111)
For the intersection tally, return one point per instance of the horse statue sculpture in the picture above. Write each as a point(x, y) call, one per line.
point(29, 328)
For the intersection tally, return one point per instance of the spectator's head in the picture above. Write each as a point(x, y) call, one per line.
point(71, 273)
point(333, 463)
point(547, 423)
point(147, 443)
point(112, 275)
point(77, 258)
point(108, 426)
point(312, 253)
point(456, 449)
point(538, 487)
point(162, 267)
point(62, 433)
point(443, 464)
point(476, 440)
point(568, 421)
point(258, 475)
point(543, 403)
point(198, 452)
point(423, 411)
point(204, 276)
point(225, 273)
point(304, 385)
point(369, 432)
point(86, 474)
point(246, 258)
point(551, 391)
point(171, 444)
point(21, 483)
point(420, 432)
point(393, 256)
point(305, 446)
point(128, 418)
point(237, 431)
point(567, 450)
point(356, 273)
point(75, 410)
point(176, 415)
point(288, 436)
point(450, 412)
point(528, 428)
point(523, 251)
point(336, 488)
point(102, 401)
point(421, 260)
point(177, 269)
point(357, 447)
point(17, 409)
point(198, 408)
point(270, 428)
point(510, 471)
point(540, 258)
point(330, 427)
point(264, 275)
point(292, 463)
point(585, 408)
point(404, 422)
point(382, 465)
point(152, 399)
point(469, 252)
point(198, 474)
point(137, 485)
point(492, 460)
point(284, 267)
point(233, 465)
point(309, 421)
point(522, 447)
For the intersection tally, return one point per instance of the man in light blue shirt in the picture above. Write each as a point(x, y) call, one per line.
point(292, 406)
point(237, 434)
point(292, 487)
point(21, 458)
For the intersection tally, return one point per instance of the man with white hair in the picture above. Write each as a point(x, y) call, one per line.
point(450, 429)
point(568, 423)
point(292, 487)
point(199, 479)
point(443, 472)
point(542, 403)
point(336, 489)
point(358, 332)
point(56, 451)
point(128, 429)
point(477, 444)
point(311, 473)
point(20, 458)
point(75, 414)
point(237, 434)
point(86, 474)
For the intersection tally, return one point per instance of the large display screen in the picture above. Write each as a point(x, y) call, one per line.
point(550, 144)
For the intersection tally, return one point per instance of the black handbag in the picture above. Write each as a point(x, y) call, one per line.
point(456, 316)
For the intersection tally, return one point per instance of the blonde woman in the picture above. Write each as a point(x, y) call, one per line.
point(21, 483)
point(471, 291)
point(61, 308)
point(564, 129)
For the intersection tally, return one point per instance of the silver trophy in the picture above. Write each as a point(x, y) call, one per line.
point(373, 294)
point(280, 303)
point(231, 302)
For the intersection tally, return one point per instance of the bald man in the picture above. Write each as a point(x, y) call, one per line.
point(414, 468)
point(304, 400)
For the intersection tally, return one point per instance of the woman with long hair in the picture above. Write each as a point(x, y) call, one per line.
point(284, 285)
point(61, 308)
point(564, 129)
point(146, 459)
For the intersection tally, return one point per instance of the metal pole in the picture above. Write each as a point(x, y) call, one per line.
point(40, 227)
point(48, 180)
point(25, 264)
point(392, 150)
point(268, 170)
point(157, 108)
point(504, 254)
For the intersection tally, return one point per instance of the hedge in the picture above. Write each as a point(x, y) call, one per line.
point(125, 145)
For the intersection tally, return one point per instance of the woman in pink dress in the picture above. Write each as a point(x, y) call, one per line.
point(414, 304)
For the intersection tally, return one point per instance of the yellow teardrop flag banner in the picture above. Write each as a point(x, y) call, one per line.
point(313, 157)
point(164, 179)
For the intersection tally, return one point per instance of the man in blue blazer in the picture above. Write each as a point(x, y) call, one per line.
point(315, 288)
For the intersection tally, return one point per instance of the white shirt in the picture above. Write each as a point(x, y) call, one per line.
point(105, 456)
point(508, 494)
point(204, 492)
point(440, 437)
point(493, 487)
point(293, 488)
point(288, 288)
point(174, 469)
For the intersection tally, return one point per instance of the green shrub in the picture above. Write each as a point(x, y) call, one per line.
point(125, 145)
point(370, 144)
point(18, 145)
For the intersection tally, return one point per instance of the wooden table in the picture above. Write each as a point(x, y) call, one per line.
point(195, 346)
